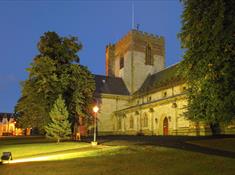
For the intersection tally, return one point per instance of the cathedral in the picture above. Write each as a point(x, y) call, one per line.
point(139, 95)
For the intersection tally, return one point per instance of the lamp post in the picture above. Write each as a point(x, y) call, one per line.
point(95, 110)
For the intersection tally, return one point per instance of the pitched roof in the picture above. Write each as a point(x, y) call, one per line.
point(110, 85)
point(6, 115)
point(160, 79)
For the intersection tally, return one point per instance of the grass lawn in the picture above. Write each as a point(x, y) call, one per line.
point(227, 144)
point(38, 147)
point(112, 160)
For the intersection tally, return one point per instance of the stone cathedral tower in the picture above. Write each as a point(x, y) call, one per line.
point(134, 57)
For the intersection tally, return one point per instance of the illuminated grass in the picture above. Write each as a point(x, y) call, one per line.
point(88, 151)
point(25, 150)
point(120, 160)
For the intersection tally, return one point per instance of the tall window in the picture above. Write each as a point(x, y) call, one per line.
point(119, 123)
point(148, 55)
point(4, 128)
point(149, 99)
point(145, 124)
point(131, 122)
point(121, 63)
point(164, 94)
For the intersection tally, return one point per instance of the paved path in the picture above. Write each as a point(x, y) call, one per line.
point(179, 142)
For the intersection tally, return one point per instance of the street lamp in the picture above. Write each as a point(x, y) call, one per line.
point(95, 110)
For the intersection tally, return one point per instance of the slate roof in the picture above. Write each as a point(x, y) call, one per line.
point(110, 85)
point(160, 79)
point(4, 115)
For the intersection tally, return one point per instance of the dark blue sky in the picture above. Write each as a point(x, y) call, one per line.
point(95, 23)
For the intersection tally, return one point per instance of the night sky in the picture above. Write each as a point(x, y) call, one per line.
point(95, 23)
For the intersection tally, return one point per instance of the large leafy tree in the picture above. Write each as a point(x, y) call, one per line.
point(59, 126)
point(208, 37)
point(55, 70)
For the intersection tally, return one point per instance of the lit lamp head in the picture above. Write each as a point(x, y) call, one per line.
point(95, 109)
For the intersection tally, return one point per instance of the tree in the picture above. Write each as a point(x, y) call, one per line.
point(55, 70)
point(59, 127)
point(208, 37)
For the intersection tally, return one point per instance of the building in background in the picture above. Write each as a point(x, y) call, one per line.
point(139, 95)
point(8, 125)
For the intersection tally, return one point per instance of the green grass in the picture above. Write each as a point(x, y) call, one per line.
point(227, 144)
point(23, 140)
point(23, 148)
point(116, 160)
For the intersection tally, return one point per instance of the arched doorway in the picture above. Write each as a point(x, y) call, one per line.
point(165, 126)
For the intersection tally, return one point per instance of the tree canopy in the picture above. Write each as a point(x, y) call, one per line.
point(55, 70)
point(208, 37)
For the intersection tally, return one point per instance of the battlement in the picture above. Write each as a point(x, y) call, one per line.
point(110, 46)
point(144, 35)
point(147, 35)
point(137, 40)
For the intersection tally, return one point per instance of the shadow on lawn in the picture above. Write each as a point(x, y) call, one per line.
point(178, 142)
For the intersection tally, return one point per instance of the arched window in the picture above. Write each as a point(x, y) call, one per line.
point(148, 55)
point(131, 122)
point(119, 123)
point(145, 124)
point(121, 62)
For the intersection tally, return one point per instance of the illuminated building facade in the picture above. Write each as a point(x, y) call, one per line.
point(139, 95)
point(7, 125)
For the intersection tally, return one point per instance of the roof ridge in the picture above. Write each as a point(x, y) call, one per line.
point(172, 65)
point(107, 76)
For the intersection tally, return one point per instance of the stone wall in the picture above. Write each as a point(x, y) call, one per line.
point(132, 48)
point(110, 55)
point(170, 108)
point(109, 104)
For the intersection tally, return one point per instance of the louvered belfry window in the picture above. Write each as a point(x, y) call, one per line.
point(148, 55)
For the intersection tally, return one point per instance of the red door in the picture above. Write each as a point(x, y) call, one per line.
point(165, 126)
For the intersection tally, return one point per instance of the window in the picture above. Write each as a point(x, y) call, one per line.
point(148, 55)
point(119, 123)
point(164, 94)
point(145, 124)
point(184, 88)
point(131, 122)
point(121, 62)
point(11, 129)
point(4, 128)
point(169, 118)
point(149, 99)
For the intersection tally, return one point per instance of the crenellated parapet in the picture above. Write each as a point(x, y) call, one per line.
point(137, 41)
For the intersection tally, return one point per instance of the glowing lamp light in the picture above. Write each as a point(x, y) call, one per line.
point(95, 109)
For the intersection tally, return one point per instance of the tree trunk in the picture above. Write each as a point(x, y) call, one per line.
point(76, 128)
point(215, 128)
